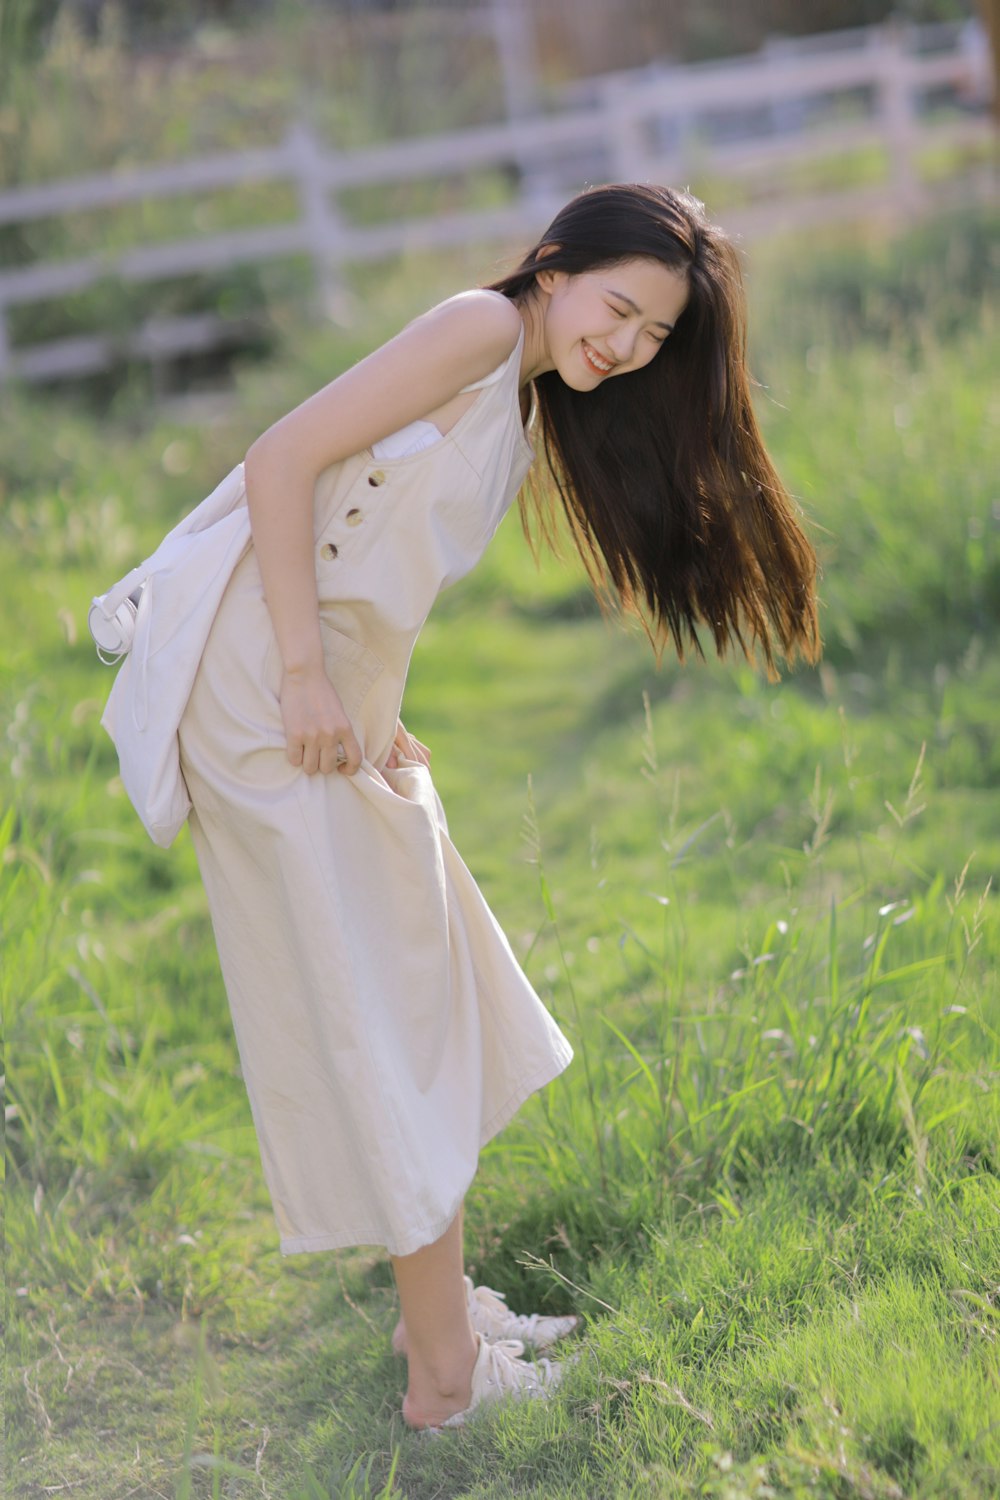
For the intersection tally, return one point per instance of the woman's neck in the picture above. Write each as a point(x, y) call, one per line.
point(535, 357)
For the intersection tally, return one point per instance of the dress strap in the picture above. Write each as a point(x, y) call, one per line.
point(490, 379)
point(497, 374)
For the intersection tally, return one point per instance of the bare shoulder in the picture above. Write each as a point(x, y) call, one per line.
point(480, 327)
point(420, 371)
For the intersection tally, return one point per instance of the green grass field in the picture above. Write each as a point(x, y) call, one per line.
point(763, 913)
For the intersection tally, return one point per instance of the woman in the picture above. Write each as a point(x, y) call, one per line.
point(386, 1031)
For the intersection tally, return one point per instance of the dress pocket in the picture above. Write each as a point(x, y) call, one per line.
point(350, 665)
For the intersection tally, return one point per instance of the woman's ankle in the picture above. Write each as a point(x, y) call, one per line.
point(430, 1414)
point(437, 1391)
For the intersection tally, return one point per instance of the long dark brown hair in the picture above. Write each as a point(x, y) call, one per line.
point(672, 501)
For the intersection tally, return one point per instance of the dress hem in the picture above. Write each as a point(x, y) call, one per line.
point(426, 1234)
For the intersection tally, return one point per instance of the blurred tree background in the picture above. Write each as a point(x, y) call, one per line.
point(585, 35)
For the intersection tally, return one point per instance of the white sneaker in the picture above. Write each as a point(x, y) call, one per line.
point(490, 1315)
point(499, 1372)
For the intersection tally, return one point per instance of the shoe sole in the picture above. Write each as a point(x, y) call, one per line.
point(458, 1421)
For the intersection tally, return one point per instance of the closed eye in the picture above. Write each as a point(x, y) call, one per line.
point(619, 314)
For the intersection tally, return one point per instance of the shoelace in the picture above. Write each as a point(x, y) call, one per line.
point(522, 1376)
point(525, 1323)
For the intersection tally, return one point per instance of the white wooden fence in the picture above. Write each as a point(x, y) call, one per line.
point(745, 119)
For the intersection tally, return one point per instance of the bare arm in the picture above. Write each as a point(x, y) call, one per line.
point(420, 369)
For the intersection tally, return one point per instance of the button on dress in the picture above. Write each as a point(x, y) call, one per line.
point(385, 1029)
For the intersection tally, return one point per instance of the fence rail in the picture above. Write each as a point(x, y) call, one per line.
point(745, 117)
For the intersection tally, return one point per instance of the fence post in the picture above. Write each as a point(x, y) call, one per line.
point(513, 28)
point(625, 133)
point(5, 359)
point(308, 164)
point(899, 115)
point(789, 114)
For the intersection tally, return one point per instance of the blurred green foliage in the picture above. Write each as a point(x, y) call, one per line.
point(935, 281)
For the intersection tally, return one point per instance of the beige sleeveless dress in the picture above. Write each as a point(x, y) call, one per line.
point(385, 1029)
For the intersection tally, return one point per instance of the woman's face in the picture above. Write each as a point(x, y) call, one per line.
point(608, 322)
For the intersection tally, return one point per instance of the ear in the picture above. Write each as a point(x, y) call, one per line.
point(547, 280)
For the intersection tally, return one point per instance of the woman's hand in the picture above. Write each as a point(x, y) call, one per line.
point(406, 744)
point(315, 723)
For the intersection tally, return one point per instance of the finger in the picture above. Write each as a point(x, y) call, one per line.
point(352, 751)
point(293, 749)
point(421, 751)
point(310, 758)
point(409, 746)
point(330, 750)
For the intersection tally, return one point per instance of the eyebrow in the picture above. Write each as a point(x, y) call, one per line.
point(636, 308)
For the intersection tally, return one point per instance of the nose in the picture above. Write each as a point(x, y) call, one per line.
point(621, 344)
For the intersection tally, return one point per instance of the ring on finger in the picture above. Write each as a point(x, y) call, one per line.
point(341, 754)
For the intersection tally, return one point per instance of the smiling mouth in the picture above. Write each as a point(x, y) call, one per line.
point(594, 360)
